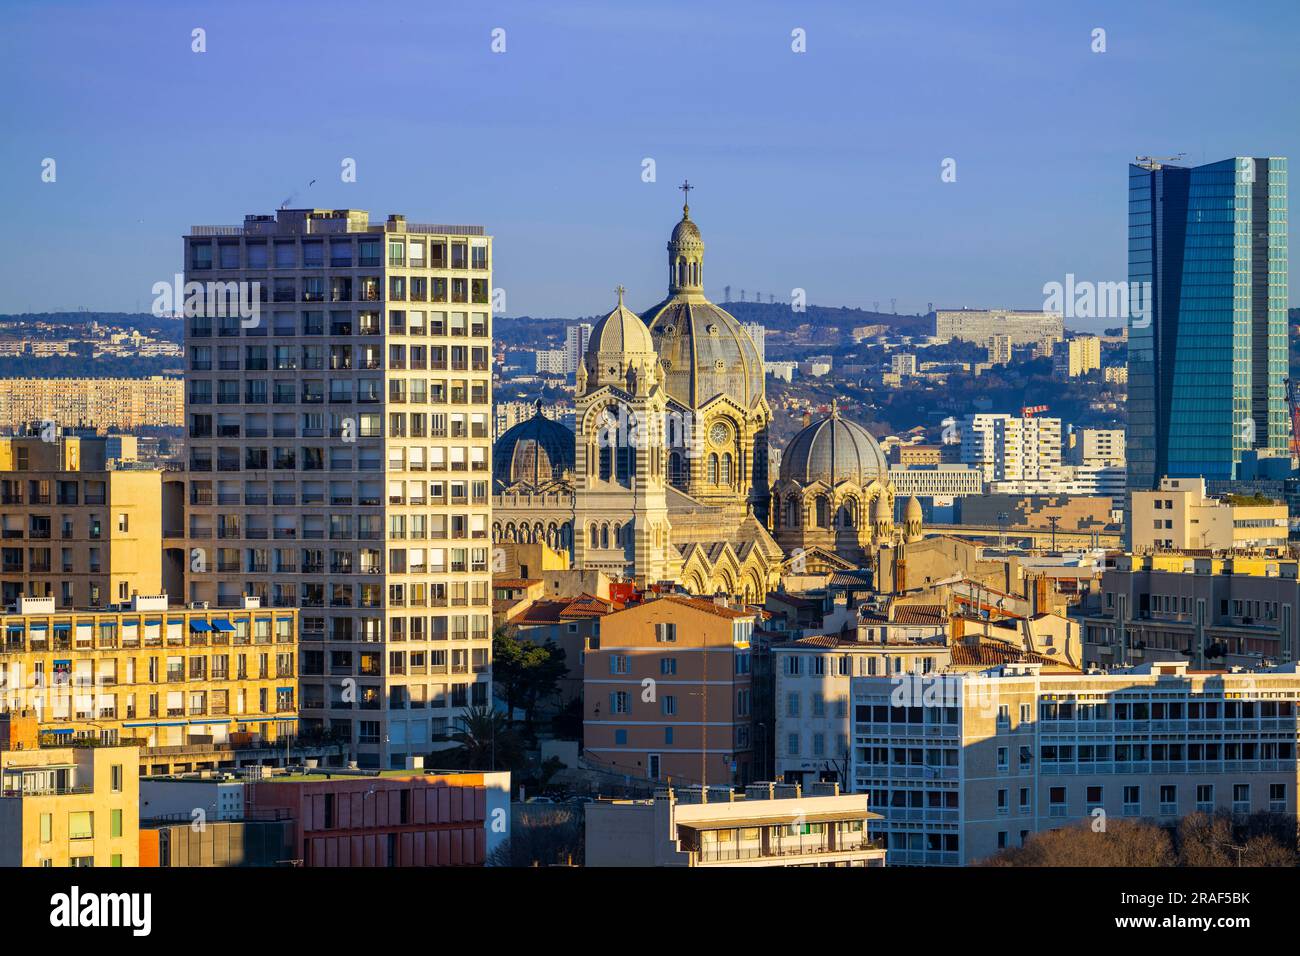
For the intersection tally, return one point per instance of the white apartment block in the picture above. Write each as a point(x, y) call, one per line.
point(550, 361)
point(758, 332)
point(999, 349)
point(903, 364)
point(339, 462)
point(1012, 449)
point(980, 326)
point(936, 481)
point(963, 765)
point(576, 338)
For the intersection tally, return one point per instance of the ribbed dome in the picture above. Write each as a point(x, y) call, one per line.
point(705, 352)
point(833, 450)
point(685, 230)
point(534, 452)
point(912, 510)
point(620, 332)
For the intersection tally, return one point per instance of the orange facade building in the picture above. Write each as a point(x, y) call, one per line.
point(668, 695)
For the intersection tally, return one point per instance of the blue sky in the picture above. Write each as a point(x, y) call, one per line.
point(817, 170)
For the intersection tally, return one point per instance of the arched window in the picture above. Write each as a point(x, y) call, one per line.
point(792, 513)
point(595, 536)
point(606, 469)
point(713, 469)
point(617, 536)
point(604, 536)
point(823, 515)
point(726, 468)
point(778, 515)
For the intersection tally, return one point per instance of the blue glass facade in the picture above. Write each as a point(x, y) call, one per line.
point(1207, 362)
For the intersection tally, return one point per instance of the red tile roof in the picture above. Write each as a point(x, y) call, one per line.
point(702, 604)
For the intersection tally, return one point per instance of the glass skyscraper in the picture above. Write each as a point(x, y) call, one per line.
point(1207, 326)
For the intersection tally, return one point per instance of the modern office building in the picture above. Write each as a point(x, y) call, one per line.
point(338, 459)
point(964, 765)
point(1207, 326)
point(77, 526)
point(758, 332)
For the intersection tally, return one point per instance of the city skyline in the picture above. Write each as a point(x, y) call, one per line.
point(869, 173)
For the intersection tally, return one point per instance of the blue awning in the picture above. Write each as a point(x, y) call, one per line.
point(62, 627)
point(198, 625)
point(213, 720)
point(16, 627)
point(58, 730)
point(153, 622)
point(223, 625)
point(39, 627)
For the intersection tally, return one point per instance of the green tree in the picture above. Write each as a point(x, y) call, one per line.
point(525, 673)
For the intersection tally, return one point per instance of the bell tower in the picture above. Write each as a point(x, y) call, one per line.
point(686, 252)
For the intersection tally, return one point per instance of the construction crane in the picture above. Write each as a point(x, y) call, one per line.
point(1293, 408)
point(1029, 411)
point(1155, 162)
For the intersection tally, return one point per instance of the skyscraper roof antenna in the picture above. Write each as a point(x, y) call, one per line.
point(1155, 162)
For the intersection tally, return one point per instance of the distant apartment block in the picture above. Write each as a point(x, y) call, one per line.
point(338, 461)
point(981, 326)
point(769, 825)
point(1096, 447)
point(902, 364)
point(1005, 448)
point(1181, 516)
point(1079, 356)
point(576, 338)
point(77, 526)
point(936, 481)
point(549, 362)
point(124, 403)
point(785, 371)
point(999, 349)
point(758, 332)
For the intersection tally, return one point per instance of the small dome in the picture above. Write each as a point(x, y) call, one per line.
point(912, 510)
point(534, 452)
point(880, 510)
point(834, 450)
point(620, 333)
point(686, 230)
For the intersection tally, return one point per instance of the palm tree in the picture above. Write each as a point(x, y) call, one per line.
point(485, 740)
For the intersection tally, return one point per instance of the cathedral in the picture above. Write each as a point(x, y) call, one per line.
point(665, 480)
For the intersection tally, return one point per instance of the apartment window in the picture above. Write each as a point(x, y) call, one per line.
point(1024, 799)
point(666, 633)
point(117, 777)
point(122, 522)
point(1132, 801)
point(1277, 797)
point(1002, 759)
point(1093, 796)
point(668, 666)
point(1056, 805)
point(618, 664)
point(792, 704)
point(115, 823)
point(618, 702)
point(1205, 797)
point(81, 825)
point(47, 827)
point(1168, 799)
point(1002, 839)
point(1241, 798)
point(1004, 805)
point(792, 745)
point(670, 706)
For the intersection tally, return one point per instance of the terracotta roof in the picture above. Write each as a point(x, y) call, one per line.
point(993, 654)
point(701, 604)
point(565, 609)
point(514, 582)
point(920, 614)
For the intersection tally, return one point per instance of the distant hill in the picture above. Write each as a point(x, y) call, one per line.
point(780, 316)
point(146, 323)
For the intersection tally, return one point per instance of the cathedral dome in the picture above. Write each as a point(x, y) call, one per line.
point(620, 333)
point(534, 452)
point(706, 352)
point(834, 450)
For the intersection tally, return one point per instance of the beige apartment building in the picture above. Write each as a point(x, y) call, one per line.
point(123, 403)
point(77, 526)
point(963, 765)
point(1180, 516)
point(981, 326)
point(768, 825)
point(338, 459)
point(1079, 356)
point(66, 806)
point(668, 693)
point(188, 686)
